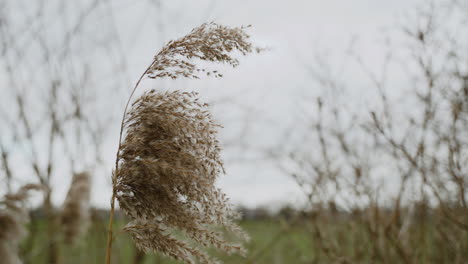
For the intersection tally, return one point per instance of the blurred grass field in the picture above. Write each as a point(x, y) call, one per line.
point(274, 241)
point(271, 242)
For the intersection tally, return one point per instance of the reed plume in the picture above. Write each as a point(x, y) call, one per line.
point(169, 160)
point(75, 216)
point(208, 42)
point(13, 217)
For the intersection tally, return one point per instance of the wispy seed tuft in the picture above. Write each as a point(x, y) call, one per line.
point(13, 218)
point(170, 160)
point(75, 216)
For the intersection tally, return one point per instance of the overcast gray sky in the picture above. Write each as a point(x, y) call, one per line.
point(261, 95)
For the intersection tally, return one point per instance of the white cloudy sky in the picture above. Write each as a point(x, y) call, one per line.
point(263, 91)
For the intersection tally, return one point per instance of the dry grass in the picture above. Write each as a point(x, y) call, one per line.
point(75, 216)
point(169, 160)
point(208, 42)
point(13, 217)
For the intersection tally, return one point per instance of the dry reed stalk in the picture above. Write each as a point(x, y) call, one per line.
point(75, 216)
point(166, 166)
point(13, 217)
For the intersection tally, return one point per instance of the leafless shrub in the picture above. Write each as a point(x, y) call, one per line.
point(421, 152)
point(75, 215)
point(168, 162)
point(13, 217)
point(52, 111)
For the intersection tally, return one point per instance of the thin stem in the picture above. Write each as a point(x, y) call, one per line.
point(111, 217)
point(125, 113)
point(109, 233)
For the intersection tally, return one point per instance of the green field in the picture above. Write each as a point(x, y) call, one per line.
point(272, 242)
point(331, 240)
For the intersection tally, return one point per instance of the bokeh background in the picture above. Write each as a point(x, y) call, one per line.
point(344, 140)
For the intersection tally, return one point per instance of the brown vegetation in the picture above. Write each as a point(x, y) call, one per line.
point(13, 217)
point(75, 215)
point(168, 162)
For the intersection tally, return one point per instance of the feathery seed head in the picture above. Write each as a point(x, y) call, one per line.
point(75, 216)
point(169, 159)
point(208, 42)
point(13, 217)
